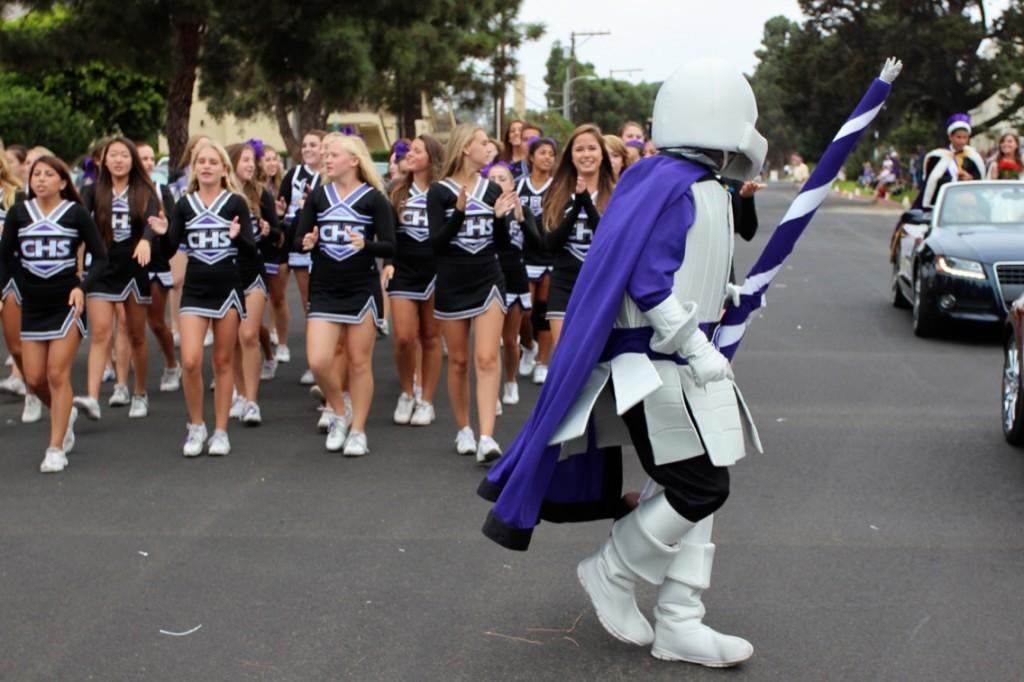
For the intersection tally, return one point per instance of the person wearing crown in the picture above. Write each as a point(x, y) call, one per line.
point(955, 163)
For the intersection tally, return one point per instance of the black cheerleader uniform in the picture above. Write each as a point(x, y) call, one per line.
point(9, 285)
point(344, 283)
point(513, 267)
point(159, 264)
point(296, 182)
point(213, 280)
point(538, 260)
point(520, 169)
point(252, 266)
point(46, 248)
point(123, 276)
point(570, 242)
point(468, 272)
point(273, 249)
point(415, 264)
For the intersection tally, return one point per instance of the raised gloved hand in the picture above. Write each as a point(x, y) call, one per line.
point(891, 70)
point(706, 363)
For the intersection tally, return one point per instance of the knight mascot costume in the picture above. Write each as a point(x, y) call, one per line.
point(635, 366)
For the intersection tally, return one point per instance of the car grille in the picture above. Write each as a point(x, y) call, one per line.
point(1010, 277)
point(1010, 273)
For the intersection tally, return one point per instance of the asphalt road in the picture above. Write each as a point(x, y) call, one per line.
point(879, 537)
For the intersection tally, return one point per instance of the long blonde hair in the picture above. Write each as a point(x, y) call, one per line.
point(366, 171)
point(454, 155)
point(8, 182)
point(228, 181)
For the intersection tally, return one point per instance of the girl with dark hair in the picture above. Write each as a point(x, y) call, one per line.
point(121, 201)
point(269, 240)
point(1007, 163)
point(512, 142)
point(573, 206)
point(522, 228)
point(535, 330)
point(213, 222)
point(466, 215)
point(521, 168)
point(297, 184)
point(44, 234)
point(411, 289)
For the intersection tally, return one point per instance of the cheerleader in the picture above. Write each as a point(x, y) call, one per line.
point(271, 163)
point(44, 234)
point(179, 260)
point(161, 284)
point(511, 150)
point(347, 223)
point(535, 329)
point(121, 201)
point(531, 132)
point(295, 187)
point(581, 189)
point(467, 223)
point(522, 227)
point(10, 316)
point(618, 154)
point(16, 156)
point(411, 289)
point(631, 130)
point(213, 222)
point(269, 239)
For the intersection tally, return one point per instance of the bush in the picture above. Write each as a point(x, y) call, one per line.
point(30, 118)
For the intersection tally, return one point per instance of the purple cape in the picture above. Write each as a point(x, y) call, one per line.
point(529, 482)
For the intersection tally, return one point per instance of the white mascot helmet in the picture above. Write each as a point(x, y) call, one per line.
point(708, 104)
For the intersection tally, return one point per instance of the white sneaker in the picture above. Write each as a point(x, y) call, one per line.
point(69, 432)
point(54, 461)
point(177, 339)
point(527, 360)
point(33, 411)
point(403, 411)
point(337, 430)
point(282, 354)
point(488, 450)
point(540, 373)
point(273, 337)
point(108, 374)
point(237, 407)
point(384, 329)
point(324, 424)
point(194, 440)
point(417, 390)
point(218, 445)
point(355, 444)
point(208, 339)
point(511, 396)
point(423, 415)
point(252, 415)
point(498, 411)
point(89, 405)
point(317, 394)
point(465, 442)
point(268, 370)
point(170, 380)
point(120, 397)
point(12, 385)
point(307, 378)
point(139, 407)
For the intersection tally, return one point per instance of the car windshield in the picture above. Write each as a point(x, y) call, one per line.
point(994, 206)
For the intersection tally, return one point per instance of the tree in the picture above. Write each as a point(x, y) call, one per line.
point(32, 118)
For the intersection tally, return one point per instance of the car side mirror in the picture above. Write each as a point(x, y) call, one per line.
point(916, 216)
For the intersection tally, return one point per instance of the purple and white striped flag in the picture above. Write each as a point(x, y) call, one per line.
point(730, 331)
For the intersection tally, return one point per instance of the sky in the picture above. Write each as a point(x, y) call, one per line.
point(654, 36)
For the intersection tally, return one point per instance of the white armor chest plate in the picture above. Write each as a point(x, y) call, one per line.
point(709, 250)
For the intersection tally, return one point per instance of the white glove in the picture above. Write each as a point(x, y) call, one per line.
point(733, 292)
point(706, 363)
point(892, 68)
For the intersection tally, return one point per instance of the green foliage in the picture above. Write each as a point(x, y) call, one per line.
point(553, 124)
point(30, 117)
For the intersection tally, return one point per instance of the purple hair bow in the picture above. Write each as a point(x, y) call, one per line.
point(257, 147)
point(400, 149)
point(486, 170)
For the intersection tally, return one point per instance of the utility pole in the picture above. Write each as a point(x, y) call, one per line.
point(570, 68)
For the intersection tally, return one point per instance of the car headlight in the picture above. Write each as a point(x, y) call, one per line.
point(960, 267)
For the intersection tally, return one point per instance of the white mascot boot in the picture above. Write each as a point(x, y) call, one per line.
point(631, 554)
point(679, 634)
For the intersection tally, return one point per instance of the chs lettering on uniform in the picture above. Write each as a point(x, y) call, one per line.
point(337, 233)
point(121, 224)
point(477, 227)
point(208, 239)
point(46, 248)
point(414, 217)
